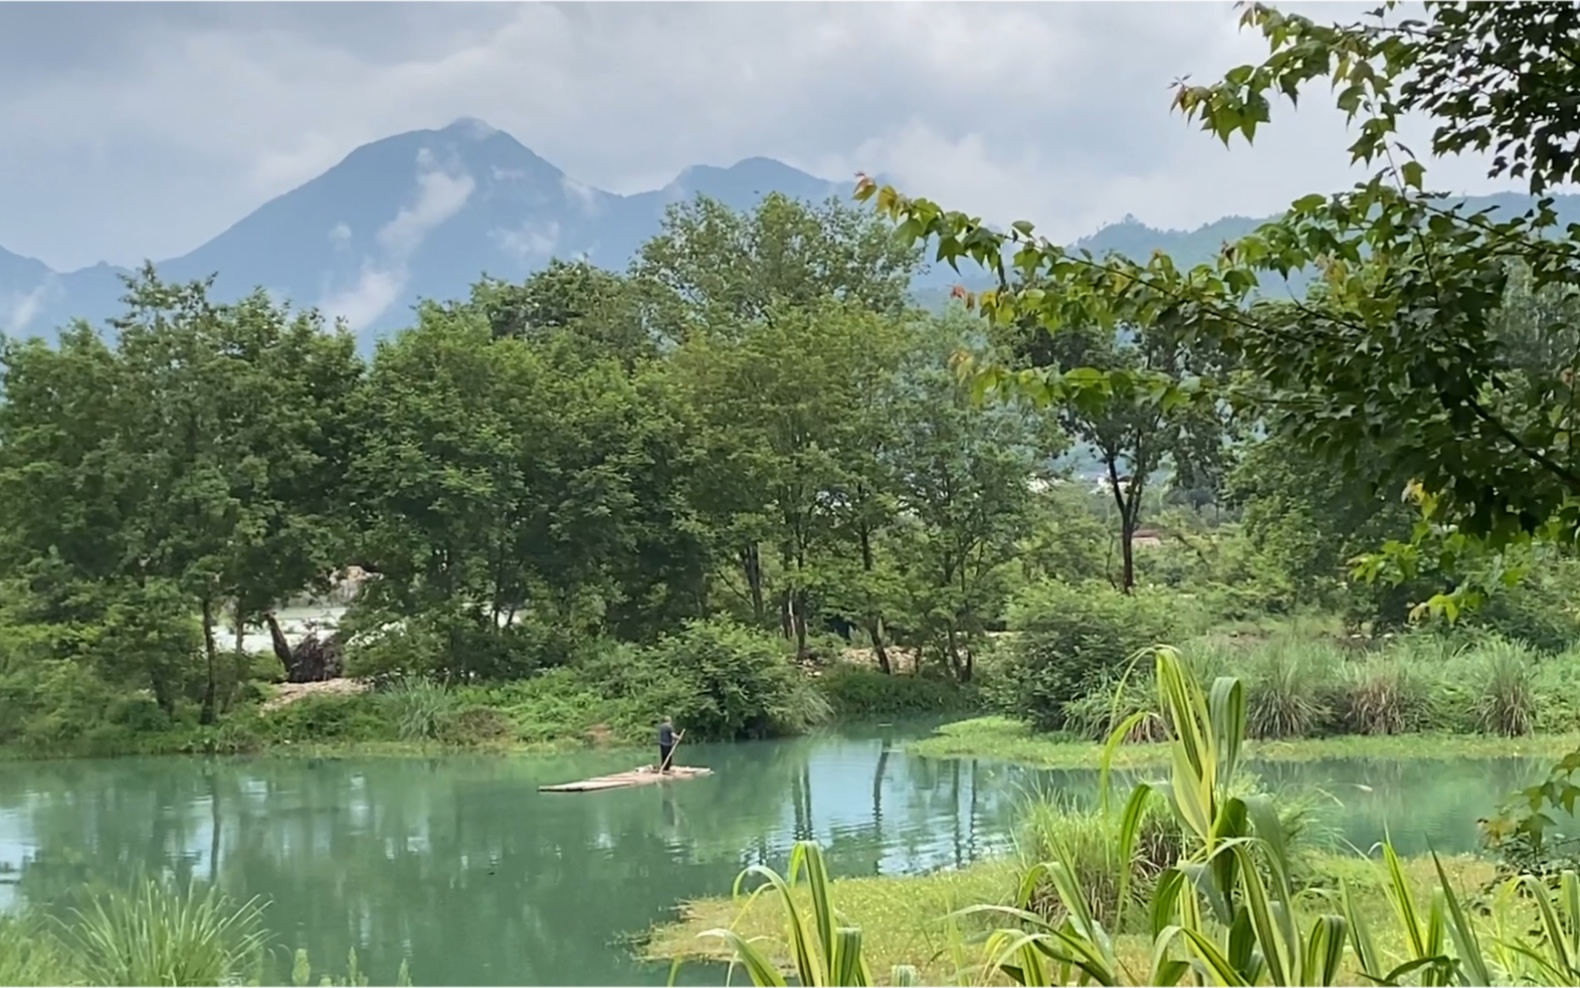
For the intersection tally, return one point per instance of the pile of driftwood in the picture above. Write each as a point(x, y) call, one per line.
point(311, 660)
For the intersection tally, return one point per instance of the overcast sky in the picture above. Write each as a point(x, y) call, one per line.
point(139, 130)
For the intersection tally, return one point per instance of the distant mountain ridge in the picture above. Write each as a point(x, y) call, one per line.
point(424, 214)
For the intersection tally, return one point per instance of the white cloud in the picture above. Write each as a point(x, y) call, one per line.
point(531, 241)
point(374, 292)
point(340, 235)
point(18, 309)
point(584, 195)
point(441, 193)
point(1057, 112)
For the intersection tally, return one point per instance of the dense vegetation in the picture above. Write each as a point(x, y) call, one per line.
point(661, 488)
point(742, 483)
point(1435, 355)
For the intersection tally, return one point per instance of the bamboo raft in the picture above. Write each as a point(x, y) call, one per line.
point(644, 776)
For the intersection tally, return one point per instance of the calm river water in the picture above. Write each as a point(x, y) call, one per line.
point(459, 864)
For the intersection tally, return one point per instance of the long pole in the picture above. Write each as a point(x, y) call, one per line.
point(667, 758)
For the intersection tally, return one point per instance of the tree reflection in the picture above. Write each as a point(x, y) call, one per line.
point(462, 866)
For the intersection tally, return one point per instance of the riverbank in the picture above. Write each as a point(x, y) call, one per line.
point(556, 712)
point(904, 919)
point(1002, 739)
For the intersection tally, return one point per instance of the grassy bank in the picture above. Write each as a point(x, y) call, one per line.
point(1003, 739)
point(903, 919)
point(564, 709)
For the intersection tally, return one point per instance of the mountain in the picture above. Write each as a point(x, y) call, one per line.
point(425, 213)
point(421, 214)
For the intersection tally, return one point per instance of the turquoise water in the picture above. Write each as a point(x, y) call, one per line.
point(460, 865)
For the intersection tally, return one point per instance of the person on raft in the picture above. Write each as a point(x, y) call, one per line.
point(666, 743)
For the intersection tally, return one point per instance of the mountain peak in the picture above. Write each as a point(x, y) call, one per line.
point(476, 129)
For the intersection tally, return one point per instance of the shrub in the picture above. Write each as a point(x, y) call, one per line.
point(1088, 844)
point(158, 935)
point(1098, 713)
point(722, 680)
point(327, 718)
point(861, 692)
point(1073, 638)
point(1540, 611)
point(1557, 706)
point(475, 725)
point(417, 708)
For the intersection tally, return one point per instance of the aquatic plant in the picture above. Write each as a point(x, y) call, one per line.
point(158, 935)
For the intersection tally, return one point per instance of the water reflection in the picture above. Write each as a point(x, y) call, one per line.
point(460, 864)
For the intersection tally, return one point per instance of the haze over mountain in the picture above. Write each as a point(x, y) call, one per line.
point(426, 213)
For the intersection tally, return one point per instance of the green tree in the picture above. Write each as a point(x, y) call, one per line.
point(1393, 369)
point(720, 270)
point(1133, 433)
point(600, 309)
point(792, 434)
point(209, 448)
point(509, 485)
point(965, 491)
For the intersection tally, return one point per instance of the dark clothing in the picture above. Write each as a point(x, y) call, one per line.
point(666, 744)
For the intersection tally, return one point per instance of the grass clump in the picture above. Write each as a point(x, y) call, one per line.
point(158, 935)
point(153, 932)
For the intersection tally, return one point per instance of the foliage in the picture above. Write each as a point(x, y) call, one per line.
point(863, 693)
point(724, 681)
point(1070, 640)
point(825, 954)
point(1400, 367)
point(592, 497)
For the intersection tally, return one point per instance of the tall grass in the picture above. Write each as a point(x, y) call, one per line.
point(418, 707)
point(1289, 687)
point(29, 955)
point(154, 933)
point(1506, 699)
point(1409, 684)
point(157, 935)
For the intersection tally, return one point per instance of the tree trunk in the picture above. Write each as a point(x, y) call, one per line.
point(798, 622)
point(875, 619)
point(752, 567)
point(786, 615)
point(955, 664)
point(1128, 499)
point(880, 651)
point(1127, 532)
point(282, 648)
point(210, 690)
